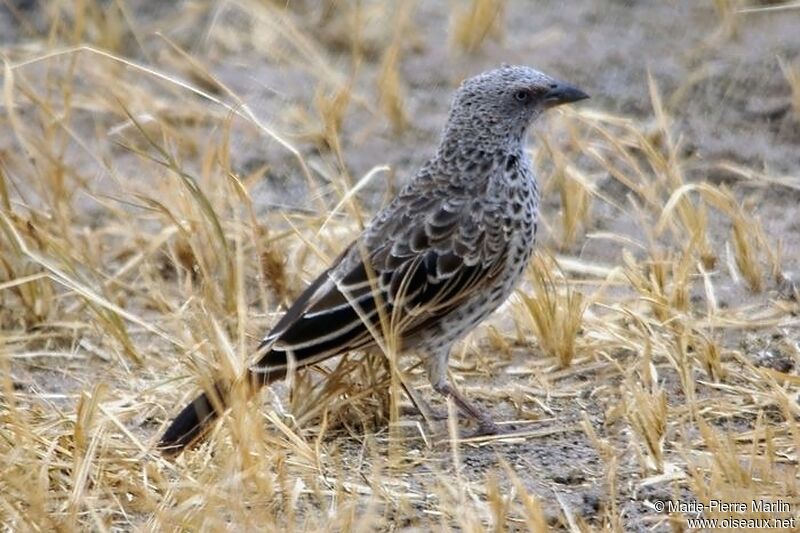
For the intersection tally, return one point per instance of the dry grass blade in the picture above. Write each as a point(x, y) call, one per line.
point(646, 412)
point(555, 311)
point(391, 90)
point(472, 24)
point(792, 74)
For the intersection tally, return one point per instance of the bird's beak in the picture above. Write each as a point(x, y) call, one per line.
point(563, 93)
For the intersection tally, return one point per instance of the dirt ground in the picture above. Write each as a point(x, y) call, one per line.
point(723, 74)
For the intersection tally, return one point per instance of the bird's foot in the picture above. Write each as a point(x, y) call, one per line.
point(428, 412)
point(487, 427)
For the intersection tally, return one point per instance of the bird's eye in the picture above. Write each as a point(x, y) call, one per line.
point(522, 95)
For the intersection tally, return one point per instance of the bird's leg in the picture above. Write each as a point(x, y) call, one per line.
point(436, 367)
point(422, 407)
point(486, 426)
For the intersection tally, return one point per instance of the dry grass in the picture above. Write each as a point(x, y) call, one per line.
point(792, 74)
point(137, 261)
point(474, 21)
point(556, 315)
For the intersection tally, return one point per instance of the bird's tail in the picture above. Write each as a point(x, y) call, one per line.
point(191, 424)
point(197, 418)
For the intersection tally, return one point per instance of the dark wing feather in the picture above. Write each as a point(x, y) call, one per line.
point(417, 274)
point(416, 294)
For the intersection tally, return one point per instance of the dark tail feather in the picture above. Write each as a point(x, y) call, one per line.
point(197, 418)
point(189, 426)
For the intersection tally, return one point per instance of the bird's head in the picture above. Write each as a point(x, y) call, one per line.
point(501, 103)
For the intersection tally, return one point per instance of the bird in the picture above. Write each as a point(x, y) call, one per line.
point(431, 265)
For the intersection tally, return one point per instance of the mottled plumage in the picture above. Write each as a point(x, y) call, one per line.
point(444, 254)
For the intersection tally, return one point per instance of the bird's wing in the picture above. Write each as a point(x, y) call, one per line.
point(419, 260)
point(422, 257)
